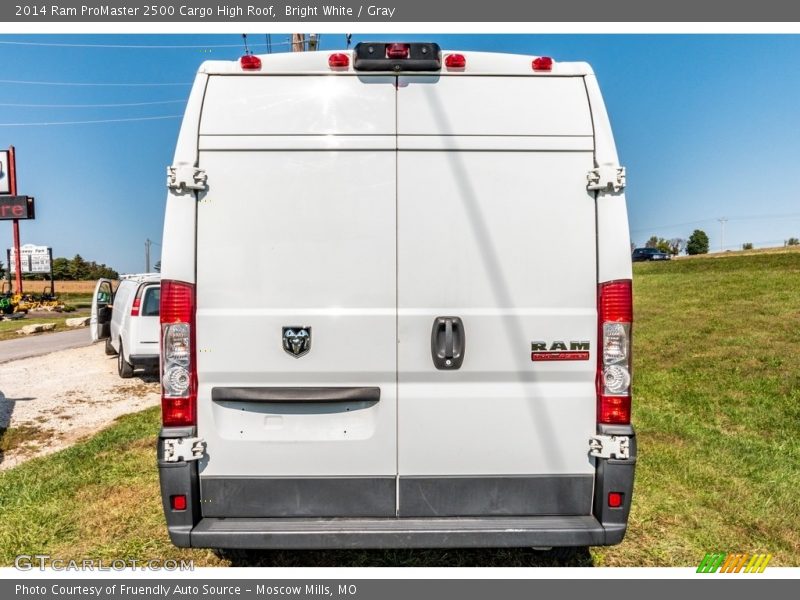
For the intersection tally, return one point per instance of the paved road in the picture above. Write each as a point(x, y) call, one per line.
point(36, 345)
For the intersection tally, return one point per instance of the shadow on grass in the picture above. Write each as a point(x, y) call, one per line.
point(472, 557)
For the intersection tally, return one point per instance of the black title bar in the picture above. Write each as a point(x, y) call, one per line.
point(385, 11)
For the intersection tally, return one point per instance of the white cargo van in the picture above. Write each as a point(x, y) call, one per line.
point(396, 305)
point(128, 321)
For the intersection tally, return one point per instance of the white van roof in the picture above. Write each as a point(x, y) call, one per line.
point(140, 277)
point(477, 63)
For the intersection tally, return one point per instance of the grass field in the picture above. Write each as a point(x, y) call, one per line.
point(717, 410)
point(8, 328)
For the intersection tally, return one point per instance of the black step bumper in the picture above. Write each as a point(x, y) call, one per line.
point(459, 532)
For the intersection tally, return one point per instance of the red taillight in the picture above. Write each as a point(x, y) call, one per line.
point(542, 63)
point(615, 499)
point(178, 502)
point(397, 50)
point(137, 302)
point(178, 356)
point(250, 62)
point(616, 302)
point(614, 410)
point(455, 61)
point(615, 320)
point(177, 302)
point(340, 60)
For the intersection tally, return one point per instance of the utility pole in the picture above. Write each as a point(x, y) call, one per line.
point(301, 44)
point(147, 244)
point(722, 222)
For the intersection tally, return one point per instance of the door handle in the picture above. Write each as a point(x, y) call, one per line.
point(448, 343)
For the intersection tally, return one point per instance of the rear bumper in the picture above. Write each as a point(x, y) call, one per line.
point(459, 532)
point(147, 361)
point(189, 528)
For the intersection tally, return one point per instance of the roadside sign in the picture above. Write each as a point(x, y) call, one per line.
point(5, 178)
point(14, 208)
point(34, 259)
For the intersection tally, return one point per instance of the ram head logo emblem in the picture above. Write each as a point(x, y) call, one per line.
point(297, 340)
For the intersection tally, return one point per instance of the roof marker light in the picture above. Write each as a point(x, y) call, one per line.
point(542, 63)
point(455, 61)
point(250, 62)
point(340, 60)
point(397, 50)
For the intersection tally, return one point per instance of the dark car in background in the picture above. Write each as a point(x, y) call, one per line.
point(643, 254)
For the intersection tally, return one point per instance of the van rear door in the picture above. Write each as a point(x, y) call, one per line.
point(100, 315)
point(296, 296)
point(497, 263)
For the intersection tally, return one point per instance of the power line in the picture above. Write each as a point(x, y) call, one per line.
point(159, 118)
point(94, 105)
point(743, 218)
point(91, 84)
point(134, 46)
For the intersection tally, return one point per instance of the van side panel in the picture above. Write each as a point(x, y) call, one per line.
point(178, 241)
point(613, 234)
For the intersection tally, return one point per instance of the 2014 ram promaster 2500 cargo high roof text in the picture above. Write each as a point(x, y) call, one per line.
point(396, 305)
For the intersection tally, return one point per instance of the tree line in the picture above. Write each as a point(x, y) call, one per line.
point(696, 244)
point(73, 269)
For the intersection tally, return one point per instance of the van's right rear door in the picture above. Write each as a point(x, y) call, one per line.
point(496, 229)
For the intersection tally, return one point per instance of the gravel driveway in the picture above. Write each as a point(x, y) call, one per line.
point(49, 402)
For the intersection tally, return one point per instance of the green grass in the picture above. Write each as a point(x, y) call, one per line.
point(8, 328)
point(717, 410)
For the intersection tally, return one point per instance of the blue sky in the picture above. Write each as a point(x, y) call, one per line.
point(707, 126)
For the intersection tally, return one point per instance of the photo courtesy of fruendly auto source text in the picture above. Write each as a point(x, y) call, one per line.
point(399, 300)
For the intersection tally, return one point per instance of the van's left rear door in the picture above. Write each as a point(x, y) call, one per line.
point(296, 296)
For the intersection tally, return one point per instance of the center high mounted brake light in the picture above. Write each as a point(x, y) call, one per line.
point(378, 56)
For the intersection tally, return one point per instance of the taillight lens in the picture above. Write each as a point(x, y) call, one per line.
point(137, 303)
point(615, 317)
point(542, 63)
point(178, 363)
point(339, 60)
point(398, 50)
point(250, 62)
point(455, 61)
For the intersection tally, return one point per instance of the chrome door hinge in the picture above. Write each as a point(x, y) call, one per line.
point(185, 178)
point(187, 449)
point(610, 446)
point(606, 178)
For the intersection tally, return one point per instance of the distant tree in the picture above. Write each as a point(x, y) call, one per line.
point(663, 246)
point(157, 266)
point(676, 246)
point(2, 270)
point(792, 241)
point(78, 268)
point(652, 242)
point(747, 246)
point(61, 268)
point(698, 242)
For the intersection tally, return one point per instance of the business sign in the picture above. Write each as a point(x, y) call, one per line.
point(16, 207)
point(34, 259)
point(5, 176)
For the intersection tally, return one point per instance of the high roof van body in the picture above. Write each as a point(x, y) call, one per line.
point(396, 305)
